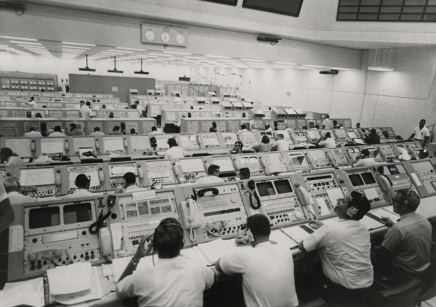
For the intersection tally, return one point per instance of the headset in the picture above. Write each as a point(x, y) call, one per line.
point(405, 195)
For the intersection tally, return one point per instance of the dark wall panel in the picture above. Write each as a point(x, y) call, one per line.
point(93, 84)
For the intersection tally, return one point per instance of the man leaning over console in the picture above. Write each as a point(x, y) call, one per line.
point(345, 250)
point(174, 281)
point(267, 268)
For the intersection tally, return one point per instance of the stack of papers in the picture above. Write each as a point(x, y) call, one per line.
point(297, 234)
point(74, 283)
point(29, 292)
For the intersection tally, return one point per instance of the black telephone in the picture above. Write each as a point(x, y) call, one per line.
point(254, 203)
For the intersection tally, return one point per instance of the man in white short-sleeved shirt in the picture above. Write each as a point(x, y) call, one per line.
point(420, 133)
point(327, 123)
point(267, 268)
point(327, 141)
point(175, 280)
point(175, 151)
point(213, 172)
point(344, 248)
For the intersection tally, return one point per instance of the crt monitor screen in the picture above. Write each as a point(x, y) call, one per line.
point(313, 134)
point(44, 217)
point(340, 133)
point(368, 178)
point(83, 142)
point(35, 177)
point(52, 147)
point(192, 165)
point(113, 144)
point(138, 143)
point(21, 146)
point(91, 171)
point(265, 188)
point(283, 186)
point(225, 164)
point(317, 154)
point(299, 161)
point(118, 170)
point(229, 138)
point(356, 180)
point(77, 213)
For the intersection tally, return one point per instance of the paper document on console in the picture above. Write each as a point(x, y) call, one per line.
point(70, 278)
point(281, 239)
point(29, 292)
point(384, 212)
point(370, 223)
point(93, 293)
point(297, 233)
point(215, 249)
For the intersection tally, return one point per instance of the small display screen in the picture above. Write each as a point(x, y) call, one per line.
point(192, 165)
point(225, 164)
point(138, 143)
point(83, 142)
point(299, 161)
point(209, 139)
point(52, 147)
point(317, 154)
point(340, 133)
point(22, 146)
point(113, 144)
point(283, 186)
point(229, 138)
point(161, 142)
point(118, 170)
point(36, 177)
point(356, 180)
point(44, 217)
point(77, 213)
point(313, 134)
point(265, 188)
point(368, 178)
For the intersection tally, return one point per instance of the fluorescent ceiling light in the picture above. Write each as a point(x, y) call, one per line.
point(195, 57)
point(217, 56)
point(315, 66)
point(25, 43)
point(133, 49)
point(78, 44)
point(380, 68)
point(304, 67)
point(178, 53)
point(120, 51)
point(284, 63)
point(258, 61)
point(159, 54)
point(20, 38)
point(75, 47)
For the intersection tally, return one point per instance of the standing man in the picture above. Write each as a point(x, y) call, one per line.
point(267, 268)
point(420, 133)
point(407, 243)
point(86, 111)
point(345, 250)
point(327, 123)
point(139, 108)
point(175, 280)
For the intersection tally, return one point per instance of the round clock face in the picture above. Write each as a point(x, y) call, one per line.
point(165, 37)
point(180, 38)
point(149, 35)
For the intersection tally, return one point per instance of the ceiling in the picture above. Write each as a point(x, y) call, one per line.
point(316, 24)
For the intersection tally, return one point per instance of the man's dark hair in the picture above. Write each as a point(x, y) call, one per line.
point(58, 129)
point(373, 131)
point(132, 131)
point(153, 128)
point(172, 142)
point(73, 126)
point(243, 126)
point(82, 181)
point(129, 178)
point(212, 169)
point(6, 152)
point(407, 197)
point(361, 203)
point(265, 139)
point(96, 129)
point(116, 128)
point(365, 152)
point(328, 135)
point(32, 128)
point(168, 238)
point(88, 103)
point(259, 225)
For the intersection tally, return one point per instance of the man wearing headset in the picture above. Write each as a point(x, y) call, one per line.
point(175, 280)
point(82, 183)
point(345, 250)
point(407, 243)
point(267, 268)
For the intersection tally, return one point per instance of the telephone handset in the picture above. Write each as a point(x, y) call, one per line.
point(191, 217)
point(67, 146)
point(58, 178)
point(201, 192)
point(101, 174)
point(125, 142)
point(385, 183)
point(305, 198)
point(253, 197)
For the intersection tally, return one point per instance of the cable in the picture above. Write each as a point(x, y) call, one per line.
point(95, 227)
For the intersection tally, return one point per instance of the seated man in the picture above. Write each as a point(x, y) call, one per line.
point(12, 161)
point(82, 183)
point(281, 144)
point(364, 159)
point(213, 173)
point(373, 137)
point(175, 280)
point(406, 244)
point(12, 187)
point(345, 250)
point(327, 141)
point(267, 268)
point(130, 184)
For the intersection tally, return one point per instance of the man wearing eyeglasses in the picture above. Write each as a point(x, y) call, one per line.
point(345, 250)
point(407, 243)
